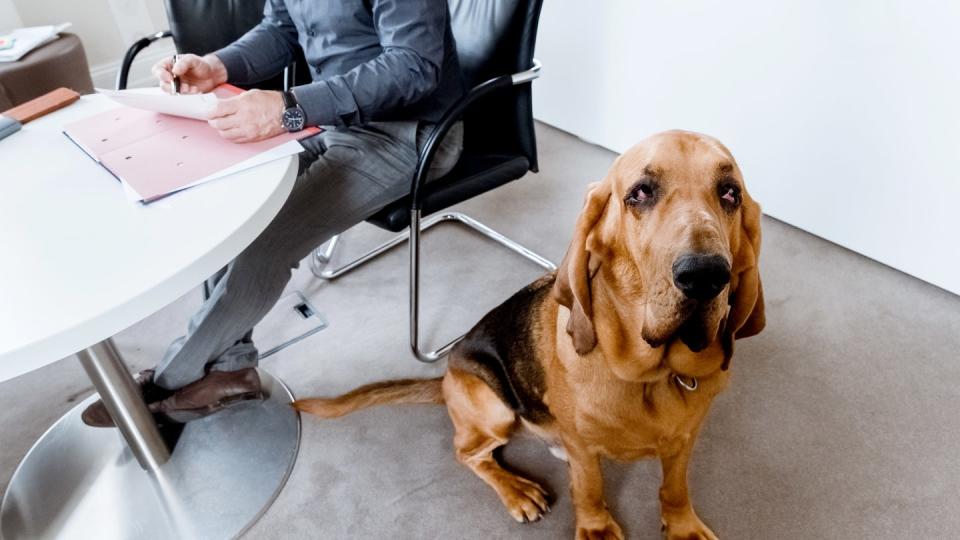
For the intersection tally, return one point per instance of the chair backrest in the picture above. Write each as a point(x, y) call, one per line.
point(497, 37)
point(204, 26)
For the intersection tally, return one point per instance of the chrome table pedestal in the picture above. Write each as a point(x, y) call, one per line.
point(82, 482)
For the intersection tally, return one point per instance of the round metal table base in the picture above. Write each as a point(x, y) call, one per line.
point(226, 470)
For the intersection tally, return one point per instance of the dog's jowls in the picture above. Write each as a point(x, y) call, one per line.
point(620, 352)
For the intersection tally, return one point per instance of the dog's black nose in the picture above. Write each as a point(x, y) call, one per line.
point(701, 277)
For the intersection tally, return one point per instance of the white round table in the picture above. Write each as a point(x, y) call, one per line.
point(79, 264)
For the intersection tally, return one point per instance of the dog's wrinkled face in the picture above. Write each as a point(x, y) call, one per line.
point(682, 196)
point(674, 227)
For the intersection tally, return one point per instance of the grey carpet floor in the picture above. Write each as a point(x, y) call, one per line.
point(841, 420)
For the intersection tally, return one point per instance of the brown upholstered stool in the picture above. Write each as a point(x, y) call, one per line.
point(61, 62)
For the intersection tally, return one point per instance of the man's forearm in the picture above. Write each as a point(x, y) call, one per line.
point(396, 78)
point(260, 54)
point(412, 36)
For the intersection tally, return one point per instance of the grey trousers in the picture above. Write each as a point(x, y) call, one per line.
point(346, 175)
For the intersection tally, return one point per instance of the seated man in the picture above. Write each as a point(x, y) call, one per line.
point(383, 72)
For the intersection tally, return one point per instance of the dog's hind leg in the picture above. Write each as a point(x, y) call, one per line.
point(482, 423)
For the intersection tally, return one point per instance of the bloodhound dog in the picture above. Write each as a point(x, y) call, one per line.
point(618, 354)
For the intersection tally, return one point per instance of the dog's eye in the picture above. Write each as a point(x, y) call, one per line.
point(641, 194)
point(729, 194)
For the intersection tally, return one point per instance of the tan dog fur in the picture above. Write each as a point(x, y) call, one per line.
point(594, 350)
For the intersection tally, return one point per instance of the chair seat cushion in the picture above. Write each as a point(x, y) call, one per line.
point(472, 176)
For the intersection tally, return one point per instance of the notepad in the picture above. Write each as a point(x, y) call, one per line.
point(155, 155)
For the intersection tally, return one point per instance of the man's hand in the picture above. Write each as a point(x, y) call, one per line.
point(252, 116)
point(197, 75)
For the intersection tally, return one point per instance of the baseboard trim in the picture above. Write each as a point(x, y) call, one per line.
point(105, 75)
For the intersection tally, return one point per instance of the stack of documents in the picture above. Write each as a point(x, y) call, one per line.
point(25, 40)
point(155, 154)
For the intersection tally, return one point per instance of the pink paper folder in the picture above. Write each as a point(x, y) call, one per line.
point(157, 154)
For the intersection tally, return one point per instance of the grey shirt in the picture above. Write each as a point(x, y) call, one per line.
point(371, 60)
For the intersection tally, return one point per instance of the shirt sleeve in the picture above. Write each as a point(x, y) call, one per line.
point(263, 51)
point(411, 34)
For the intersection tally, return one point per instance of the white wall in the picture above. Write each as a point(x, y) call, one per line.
point(9, 17)
point(844, 116)
point(106, 27)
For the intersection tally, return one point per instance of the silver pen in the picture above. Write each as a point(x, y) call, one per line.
point(176, 80)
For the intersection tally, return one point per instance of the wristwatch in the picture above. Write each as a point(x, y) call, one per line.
point(293, 117)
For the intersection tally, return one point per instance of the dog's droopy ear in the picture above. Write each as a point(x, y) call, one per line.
point(572, 288)
point(746, 317)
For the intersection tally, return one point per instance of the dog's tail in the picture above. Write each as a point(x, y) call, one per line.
point(399, 391)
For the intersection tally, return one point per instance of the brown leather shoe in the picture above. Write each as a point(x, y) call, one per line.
point(216, 391)
point(96, 415)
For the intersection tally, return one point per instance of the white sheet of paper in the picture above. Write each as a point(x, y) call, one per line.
point(195, 106)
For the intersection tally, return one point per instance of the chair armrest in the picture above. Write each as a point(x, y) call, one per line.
point(132, 52)
point(452, 116)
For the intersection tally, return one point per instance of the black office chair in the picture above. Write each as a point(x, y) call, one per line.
point(193, 32)
point(495, 42)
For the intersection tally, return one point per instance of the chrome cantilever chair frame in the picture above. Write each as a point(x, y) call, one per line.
point(322, 256)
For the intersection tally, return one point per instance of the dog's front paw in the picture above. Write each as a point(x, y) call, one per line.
point(525, 500)
point(600, 529)
point(686, 527)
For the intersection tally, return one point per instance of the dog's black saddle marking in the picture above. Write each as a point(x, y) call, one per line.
point(502, 350)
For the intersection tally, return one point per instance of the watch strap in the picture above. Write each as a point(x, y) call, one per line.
point(289, 100)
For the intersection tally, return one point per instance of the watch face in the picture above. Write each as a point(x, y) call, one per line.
point(293, 119)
